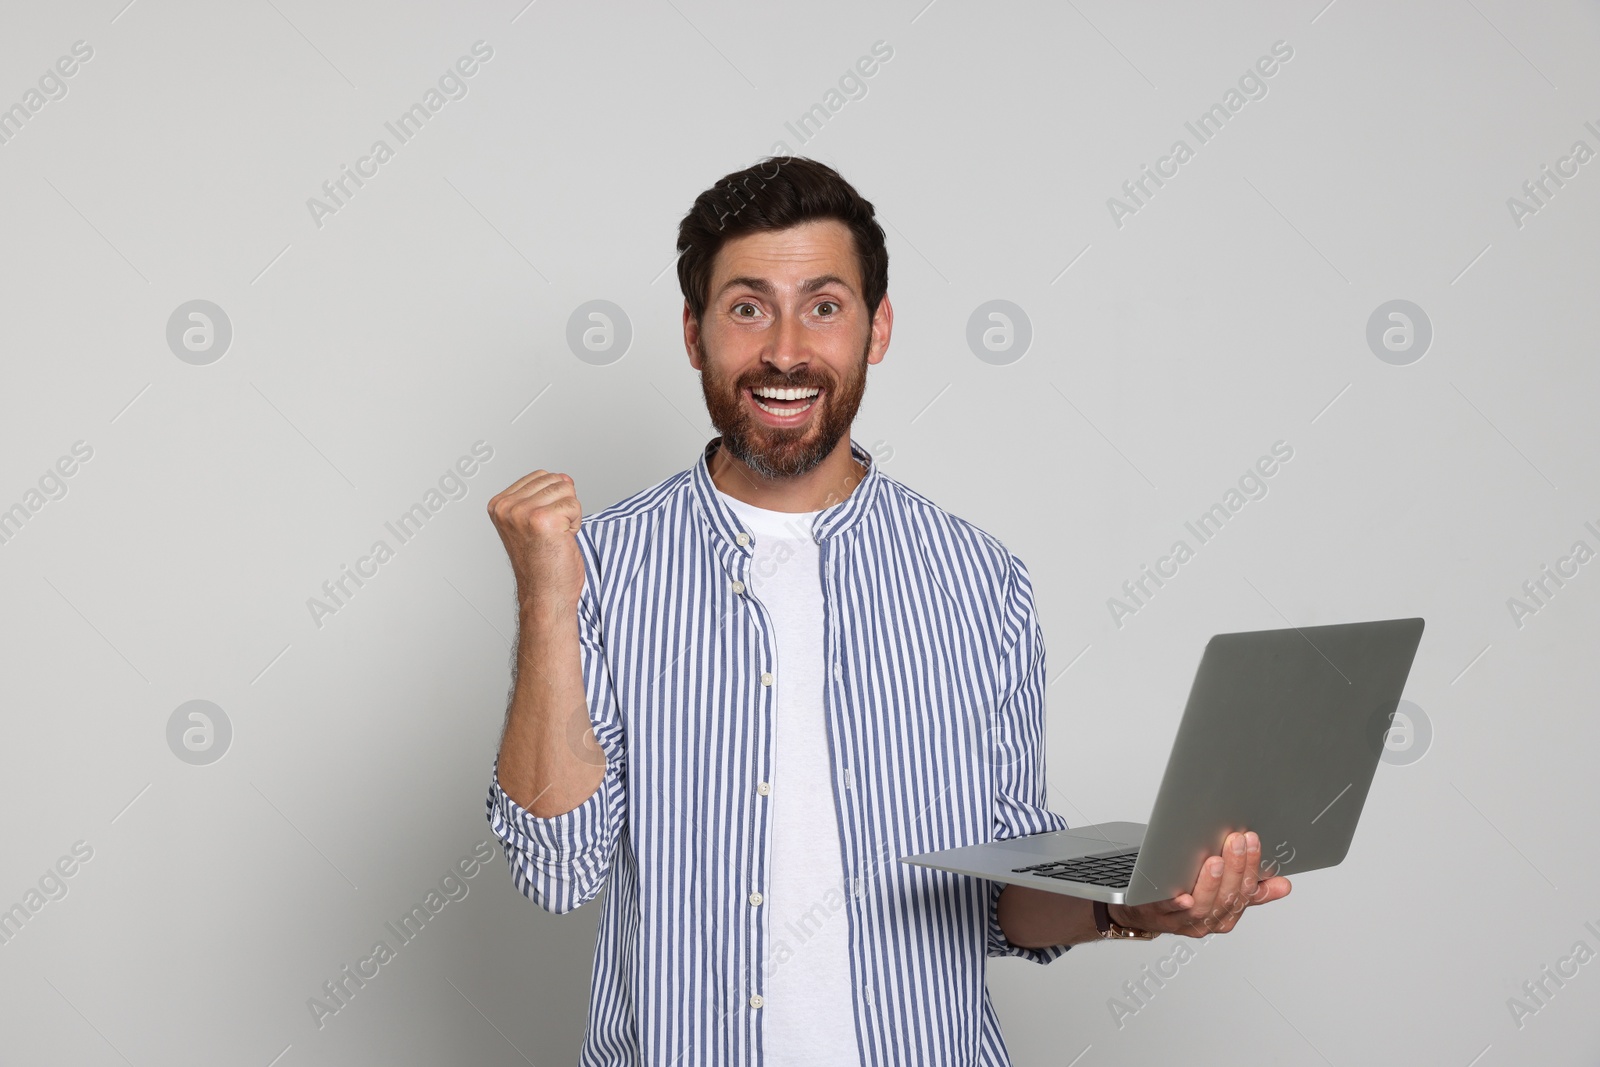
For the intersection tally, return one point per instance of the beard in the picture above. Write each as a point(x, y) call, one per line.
point(775, 452)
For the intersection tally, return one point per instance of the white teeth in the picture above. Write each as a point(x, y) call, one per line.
point(775, 411)
point(786, 394)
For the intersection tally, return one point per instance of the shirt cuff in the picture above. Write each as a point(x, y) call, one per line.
point(550, 842)
point(999, 946)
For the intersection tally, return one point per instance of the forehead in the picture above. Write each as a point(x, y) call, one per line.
point(788, 256)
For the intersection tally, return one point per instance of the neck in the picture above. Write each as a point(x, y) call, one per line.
point(825, 485)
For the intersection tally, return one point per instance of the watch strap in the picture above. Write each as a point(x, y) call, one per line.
point(1113, 930)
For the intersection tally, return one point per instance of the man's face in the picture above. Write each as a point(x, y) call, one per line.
point(785, 311)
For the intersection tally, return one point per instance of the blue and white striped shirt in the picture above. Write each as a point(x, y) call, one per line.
point(935, 719)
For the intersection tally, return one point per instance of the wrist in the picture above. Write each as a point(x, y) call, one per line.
point(1121, 923)
point(545, 613)
point(1119, 915)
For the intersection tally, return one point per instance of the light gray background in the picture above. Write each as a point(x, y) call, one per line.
point(431, 311)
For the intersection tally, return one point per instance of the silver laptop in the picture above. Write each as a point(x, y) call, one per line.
point(1282, 735)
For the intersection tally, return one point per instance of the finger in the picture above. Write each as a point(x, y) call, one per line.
point(1181, 902)
point(1162, 916)
point(543, 488)
point(1229, 899)
point(540, 489)
point(1268, 890)
point(1274, 888)
point(1266, 882)
point(533, 483)
point(524, 480)
point(1252, 866)
point(1204, 896)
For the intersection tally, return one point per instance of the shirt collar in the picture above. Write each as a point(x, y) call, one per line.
point(835, 519)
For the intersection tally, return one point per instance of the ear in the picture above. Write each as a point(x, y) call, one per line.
point(882, 327)
point(691, 336)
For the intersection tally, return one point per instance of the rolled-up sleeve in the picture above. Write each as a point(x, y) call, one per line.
point(561, 862)
point(1017, 747)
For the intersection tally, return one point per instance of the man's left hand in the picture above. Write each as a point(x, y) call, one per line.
point(1228, 884)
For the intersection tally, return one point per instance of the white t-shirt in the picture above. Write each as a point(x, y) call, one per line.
point(808, 1011)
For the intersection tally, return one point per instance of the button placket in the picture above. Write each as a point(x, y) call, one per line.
point(759, 619)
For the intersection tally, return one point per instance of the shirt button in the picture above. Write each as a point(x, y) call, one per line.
point(755, 899)
point(743, 539)
point(738, 586)
point(838, 672)
point(766, 677)
point(764, 788)
point(756, 1001)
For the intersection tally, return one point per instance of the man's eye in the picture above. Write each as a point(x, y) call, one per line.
point(827, 307)
point(744, 304)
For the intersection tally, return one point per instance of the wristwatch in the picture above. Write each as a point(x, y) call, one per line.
point(1110, 929)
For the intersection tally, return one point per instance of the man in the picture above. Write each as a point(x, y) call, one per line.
point(794, 669)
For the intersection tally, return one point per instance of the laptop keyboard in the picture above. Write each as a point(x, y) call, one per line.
point(1111, 869)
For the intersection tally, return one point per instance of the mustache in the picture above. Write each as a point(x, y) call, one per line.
point(784, 383)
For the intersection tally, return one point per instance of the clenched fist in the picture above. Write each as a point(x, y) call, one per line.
point(537, 517)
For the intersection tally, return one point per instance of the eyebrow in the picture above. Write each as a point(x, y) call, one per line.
point(764, 287)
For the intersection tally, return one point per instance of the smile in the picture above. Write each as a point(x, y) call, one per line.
point(784, 405)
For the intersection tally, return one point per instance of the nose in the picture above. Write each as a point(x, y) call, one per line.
point(789, 348)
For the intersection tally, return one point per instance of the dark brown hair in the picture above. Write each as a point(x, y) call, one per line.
point(775, 194)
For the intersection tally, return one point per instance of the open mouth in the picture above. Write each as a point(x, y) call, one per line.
point(784, 406)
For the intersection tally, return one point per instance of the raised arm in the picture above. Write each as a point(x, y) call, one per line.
point(548, 762)
point(557, 798)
